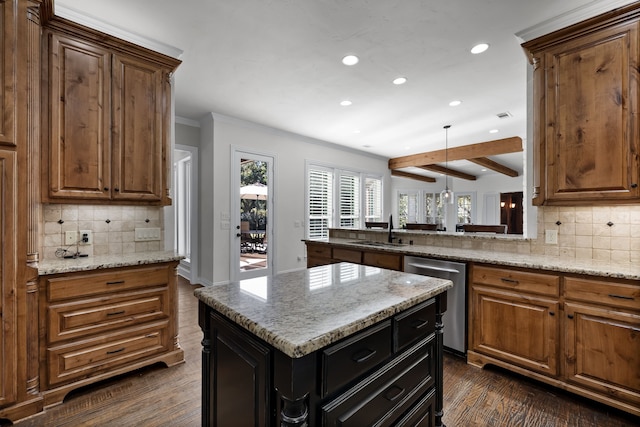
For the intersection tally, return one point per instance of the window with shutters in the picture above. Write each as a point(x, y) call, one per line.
point(320, 202)
point(338, 198)
point(408, 208)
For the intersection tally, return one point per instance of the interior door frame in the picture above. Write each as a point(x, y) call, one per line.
point(191, 271)
point(237, 154)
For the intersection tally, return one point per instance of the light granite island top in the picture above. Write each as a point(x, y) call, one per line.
point(302, 311)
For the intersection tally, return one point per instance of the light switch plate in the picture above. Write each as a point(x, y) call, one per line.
point(70, 237)
point(551, 237)
point(147, 234)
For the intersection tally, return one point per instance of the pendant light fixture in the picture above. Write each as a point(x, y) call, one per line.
point(446, 195)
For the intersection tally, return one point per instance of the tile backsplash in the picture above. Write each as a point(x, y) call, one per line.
point(112, 228)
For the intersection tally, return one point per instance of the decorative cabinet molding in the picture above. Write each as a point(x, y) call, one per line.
point(109, 120)
point(585, 111)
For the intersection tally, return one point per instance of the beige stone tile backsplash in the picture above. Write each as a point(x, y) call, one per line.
point(583, 233)
point(112, 227)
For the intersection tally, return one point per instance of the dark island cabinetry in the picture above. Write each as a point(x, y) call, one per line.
point(386, 373)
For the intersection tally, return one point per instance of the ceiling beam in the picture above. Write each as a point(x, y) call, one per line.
point(450, 172)
point(490, 164)
point(413, 176)
point(473, 151)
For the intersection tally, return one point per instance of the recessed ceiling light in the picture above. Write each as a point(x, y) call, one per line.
point(455, 103)
point(479, 48)
point(483, 169)
point(407, 147)
point(358, 131)
point(350, 60)
point(494, 131)
point(399, 80)
point(346, 103)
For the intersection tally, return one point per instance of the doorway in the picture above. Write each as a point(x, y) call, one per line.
point(512, 211)
point(252, 233)
point(185, 212)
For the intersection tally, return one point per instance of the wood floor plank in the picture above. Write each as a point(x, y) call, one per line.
point(157, 396)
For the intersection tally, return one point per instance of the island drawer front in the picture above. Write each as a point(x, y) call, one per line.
point(422, 414)
point(603, 292)
point(382, 260)
point(82, 285)
point(86, 358)
point(525, 281)
point(347, 360)
point(348, 255)
point(387, 394)
point(414, 324)
point(98, 315)
point(320, 251)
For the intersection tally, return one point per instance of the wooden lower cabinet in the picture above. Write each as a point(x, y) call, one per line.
point(325, 253)
point(387, 374)
point(103, 323)
point(578, 333)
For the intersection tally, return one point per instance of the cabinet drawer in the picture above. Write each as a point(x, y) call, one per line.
point(318, 251)
point(414, 324)
point(343, 362)
point(602, 292)
point(348, 255)
point(422, 414)
point(382, 260)
point(86, 358)
point(387, 394)
point(99, 315)
point(82, 285)
point(543, 284)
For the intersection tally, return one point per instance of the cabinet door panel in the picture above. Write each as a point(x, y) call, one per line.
point(138, 132)
point(603, 350)
point(79, 163)
point(7, 75)
point(8, 355)
point(521, 329)
point(592, 95)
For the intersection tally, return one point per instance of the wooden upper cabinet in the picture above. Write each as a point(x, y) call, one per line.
point(108, 120)
point(79, 150)
point(586, 147)
point(7, 75)
point(139, 123)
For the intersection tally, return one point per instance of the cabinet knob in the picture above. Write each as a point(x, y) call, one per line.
point(116, 189)
point(634, 185)
point(106, 188)
point(570, 316)
point(552, 313)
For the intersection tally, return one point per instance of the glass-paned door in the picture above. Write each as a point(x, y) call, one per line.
point(253, 233)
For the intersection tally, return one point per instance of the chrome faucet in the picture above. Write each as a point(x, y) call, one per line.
point(391, 229)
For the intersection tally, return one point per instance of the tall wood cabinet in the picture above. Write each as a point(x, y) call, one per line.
point(107, 118)
point(585, 111)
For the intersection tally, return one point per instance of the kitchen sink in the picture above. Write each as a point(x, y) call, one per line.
point(377, 244)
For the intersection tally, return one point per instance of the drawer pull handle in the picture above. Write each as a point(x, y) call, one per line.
point(508, 280)
point(115, 313)
point(620, 297)
point(363, 356)
point(570, 316)
point(115, 351)
point(419, 324)
point(117, 282)
point(393, 393)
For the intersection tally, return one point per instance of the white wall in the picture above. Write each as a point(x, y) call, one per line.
point(218, 136)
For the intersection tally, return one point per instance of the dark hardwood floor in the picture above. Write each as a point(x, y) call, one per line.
point(157, 396)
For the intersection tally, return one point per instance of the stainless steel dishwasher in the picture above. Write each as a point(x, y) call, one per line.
point(454, 319)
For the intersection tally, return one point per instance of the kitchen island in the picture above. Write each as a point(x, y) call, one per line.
point(338, 344)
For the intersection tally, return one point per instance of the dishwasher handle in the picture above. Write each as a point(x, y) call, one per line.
point(432, 268)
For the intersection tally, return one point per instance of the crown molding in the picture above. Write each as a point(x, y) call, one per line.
point(570, 17)
point(187, 122)
point(100, 25)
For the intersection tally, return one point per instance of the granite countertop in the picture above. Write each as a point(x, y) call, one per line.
point(62, 265)
point(545, 262)
point(302, 311)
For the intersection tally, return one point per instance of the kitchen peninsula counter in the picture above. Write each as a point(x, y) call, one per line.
point(315, 344)
point(618, 270)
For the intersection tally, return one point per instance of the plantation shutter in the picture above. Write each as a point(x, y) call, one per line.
point(320, 203)
point(349, 201)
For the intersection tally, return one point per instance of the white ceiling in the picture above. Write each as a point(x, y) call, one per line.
point(278, 63)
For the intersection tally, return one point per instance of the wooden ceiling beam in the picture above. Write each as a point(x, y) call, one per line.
point(450, 172)
point(413, 176)
point(473, 151)
point(490, 164)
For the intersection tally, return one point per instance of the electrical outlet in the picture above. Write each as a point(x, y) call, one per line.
point(551, 237)
point(70, 237)
point(86, 237)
